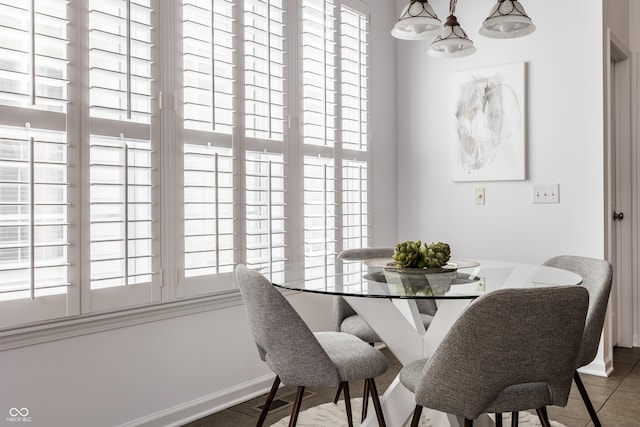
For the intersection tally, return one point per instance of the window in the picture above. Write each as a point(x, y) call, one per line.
point(335, 93)
point(147, 146)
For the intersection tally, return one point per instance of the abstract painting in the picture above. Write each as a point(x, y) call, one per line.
point(490, 124)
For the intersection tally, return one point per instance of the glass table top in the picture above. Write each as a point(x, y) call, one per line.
point(374, 278)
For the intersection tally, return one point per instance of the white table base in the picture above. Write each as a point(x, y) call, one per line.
point(398, 323)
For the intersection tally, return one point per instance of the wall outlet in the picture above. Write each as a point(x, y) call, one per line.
point(479, 196)
point(546, 193)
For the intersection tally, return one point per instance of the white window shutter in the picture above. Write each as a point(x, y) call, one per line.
point(34, 163)
point(120, 59)
point(264, 77)
point(123, 186)
point(335, 96)
point(208, 65)
point(265, 210)
point(354, 76)
point(208, 122)
point(149, 146)
point(355, 219)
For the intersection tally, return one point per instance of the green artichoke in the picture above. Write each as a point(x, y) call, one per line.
point(436, 254)
point(408, 255)
point(417, 254)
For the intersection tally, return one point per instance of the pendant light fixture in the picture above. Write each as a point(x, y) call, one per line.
point(452, 42)
point(507, 19)
point(417, 21)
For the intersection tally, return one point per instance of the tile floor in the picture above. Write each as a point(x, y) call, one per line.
point(616, 398)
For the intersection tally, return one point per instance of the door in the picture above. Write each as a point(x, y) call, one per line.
point(618, 214)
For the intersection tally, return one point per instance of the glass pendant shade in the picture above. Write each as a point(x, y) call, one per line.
point(452, 42)
point(417, 21)
point(507, 19)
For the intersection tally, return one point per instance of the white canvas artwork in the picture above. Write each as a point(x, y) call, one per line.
point(490, 124)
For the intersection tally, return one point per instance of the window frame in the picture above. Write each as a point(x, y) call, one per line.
point(170, 294)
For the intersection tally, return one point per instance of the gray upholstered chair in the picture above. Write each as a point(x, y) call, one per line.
point(597, 275)
point(300, 357)
point(347, 320)
point(510, 350)
point(345, 317)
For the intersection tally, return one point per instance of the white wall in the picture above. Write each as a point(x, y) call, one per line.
point(197, 364)
point(110, 378)
point(564, 140)
point(384, 161)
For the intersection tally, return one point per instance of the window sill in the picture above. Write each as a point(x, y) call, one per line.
point(58, 329)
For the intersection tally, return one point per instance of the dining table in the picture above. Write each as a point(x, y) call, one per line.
point(386, 298)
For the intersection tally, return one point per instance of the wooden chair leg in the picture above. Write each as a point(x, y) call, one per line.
point(498, 419)
point(365, 399)
point(267, 404)
point(544, 417)
point(468, 422)
point(586, 400)
point(514, 419)
point(296, 407)
point(416, 416)
point(365, 394)
point(376, 402)
point(335, 399)
point(347, 403)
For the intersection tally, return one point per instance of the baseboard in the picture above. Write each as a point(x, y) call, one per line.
point(600, 368)
point(206, 405)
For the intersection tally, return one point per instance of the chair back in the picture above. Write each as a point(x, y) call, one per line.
point(341, 309)
point(284, 341)
point(510, 338)
point(597, 277)
point(364, 253)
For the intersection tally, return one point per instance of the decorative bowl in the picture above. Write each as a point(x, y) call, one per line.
point(421, 281)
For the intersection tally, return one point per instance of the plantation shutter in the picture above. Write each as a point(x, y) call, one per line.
point(123, 161)
point(208, 62)
point(320, 213)
point(149, 146)
point(264, 22)
point(264, 131)
point(355, 222)
point(355, 132)
point(354, 76)
point(319, 80)
point(34, 202)
point(335, 130)
point(208, 84)
point(319, 110)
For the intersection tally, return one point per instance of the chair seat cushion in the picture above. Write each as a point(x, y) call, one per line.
point(410, 374)
point(355, 325)
point(519, 397)
point(354, 358)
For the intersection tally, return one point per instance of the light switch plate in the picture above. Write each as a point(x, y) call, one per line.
point(546, 193)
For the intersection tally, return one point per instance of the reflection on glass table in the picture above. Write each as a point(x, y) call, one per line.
point(462, 279)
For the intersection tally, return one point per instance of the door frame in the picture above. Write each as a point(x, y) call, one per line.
point(620, 242)
point(635, 198)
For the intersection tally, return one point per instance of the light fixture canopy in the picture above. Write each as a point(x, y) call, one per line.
point(452, 42)
point(507, 19)
point(417, 21)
